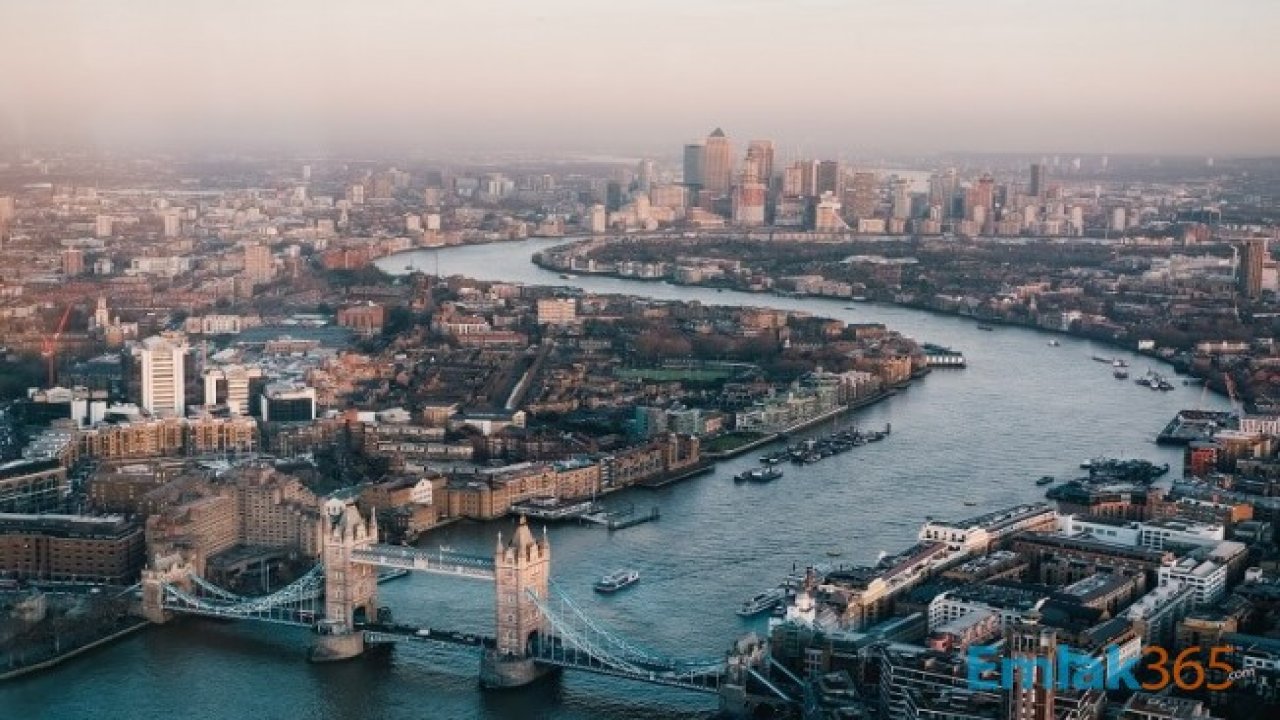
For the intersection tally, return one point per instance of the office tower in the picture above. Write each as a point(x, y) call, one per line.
point(72, 262)
point(942, 191)
point(981, 195)
point(644, 175)
point(163, 379)
point(900, 198)
point(827, 178)
point(229, 386)
point(749, 196)
point(792, 183)
point(863, 196)
point(102, 226)
point(1249, 270)
point(1037, 186)
point(306, 172)
point(7, 210)
point(172, 224)
point(597, 220)
point(827, 215)
point(808, 177)
point(258, 264)
point(761, 151)
point(101, 316)
point(1117, 219)
point(694, 160)
point(717, 170)
point(1033, 652)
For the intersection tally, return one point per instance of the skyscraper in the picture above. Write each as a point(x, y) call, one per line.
point(761, 151)
point(827, 178)
point(749, 196)
point(1037, 186)
point(1249, 272)
point(900, 197)
point(163, 376)
point(717, 170)
point(694, 160)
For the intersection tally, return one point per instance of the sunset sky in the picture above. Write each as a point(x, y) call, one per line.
point(1166, 76)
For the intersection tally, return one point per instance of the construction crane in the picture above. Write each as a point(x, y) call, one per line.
point(49, 346)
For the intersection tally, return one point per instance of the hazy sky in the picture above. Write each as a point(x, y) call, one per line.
point(1185, 76)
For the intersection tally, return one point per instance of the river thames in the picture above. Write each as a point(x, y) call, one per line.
point(964, 441)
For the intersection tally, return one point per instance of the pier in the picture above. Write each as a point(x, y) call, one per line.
point(621, 519)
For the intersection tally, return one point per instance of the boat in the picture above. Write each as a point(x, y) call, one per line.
point(984, 326)
point(835, 552)
point(1099, 358)
point(1120, 373)
point(565, 276)
point(762, 602)
point(1119, 363)
point(616, 580)
point(1054, 343)
point(762, 475)
point(969, 503)
point(1045, 480)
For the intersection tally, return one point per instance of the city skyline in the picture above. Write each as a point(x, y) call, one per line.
point(1162, 78)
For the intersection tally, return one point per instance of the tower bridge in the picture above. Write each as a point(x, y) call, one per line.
point(538, 628)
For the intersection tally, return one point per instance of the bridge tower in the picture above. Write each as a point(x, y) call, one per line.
point(522, 567)
point(349, 587)
point(172, 570)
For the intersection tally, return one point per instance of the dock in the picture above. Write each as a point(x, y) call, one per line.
point(621, 519)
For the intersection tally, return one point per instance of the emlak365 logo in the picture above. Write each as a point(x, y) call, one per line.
point(1069, 669)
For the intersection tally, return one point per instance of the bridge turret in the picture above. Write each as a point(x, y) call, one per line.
point(522, 567)
point(349, 587)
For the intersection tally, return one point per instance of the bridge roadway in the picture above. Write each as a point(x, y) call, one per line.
point(435, 562)
point(393, 632)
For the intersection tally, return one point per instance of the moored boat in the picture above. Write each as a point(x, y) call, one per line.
point(1045, 480)
point(762, 602)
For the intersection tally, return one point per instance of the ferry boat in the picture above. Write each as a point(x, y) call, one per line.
point(1054, 343)
point(617, 580)
point(764, 474)
point(1120, 374)
point(762, 602)
point(1119, 363)
point(1045, 480)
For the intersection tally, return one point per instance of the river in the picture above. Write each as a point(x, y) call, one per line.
point(963, 441)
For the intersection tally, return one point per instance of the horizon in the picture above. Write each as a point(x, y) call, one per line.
point(878, 79)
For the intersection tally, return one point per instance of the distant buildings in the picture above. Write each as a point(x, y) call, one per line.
point(71, 548)
point(717, 171)
point(1253, 253)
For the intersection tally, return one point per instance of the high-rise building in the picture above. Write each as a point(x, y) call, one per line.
point(863, 196)
point(827, 178)
point(717, 170)
point(694, 160)
point(1037, 187)
point(1033, 652)
point(761, 151)
point(942, 191)
point(72, 262)
point(749, 196)
point(644, 175)
point(7, 210)
point(1253, 253)
point(900, 197)
point(102, 226)
point(163, 367)
point(258, 264)
point(808, 178)
point(172, 224)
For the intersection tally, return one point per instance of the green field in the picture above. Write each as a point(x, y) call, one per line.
point(729, 441)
